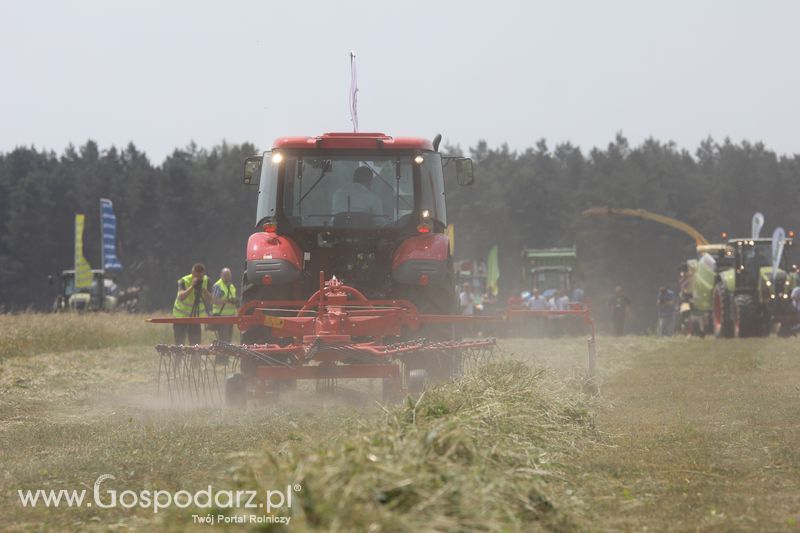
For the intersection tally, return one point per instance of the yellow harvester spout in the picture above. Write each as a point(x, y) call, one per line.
point(647, 215)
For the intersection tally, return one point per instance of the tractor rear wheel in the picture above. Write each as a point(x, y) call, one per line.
point(439, 300)
point(261, 334)
point(435, 300)
point(746, 322)
point(721, 315)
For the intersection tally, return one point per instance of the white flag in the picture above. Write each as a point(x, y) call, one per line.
point(353, 92)
point(758, 223)
point(778, 238)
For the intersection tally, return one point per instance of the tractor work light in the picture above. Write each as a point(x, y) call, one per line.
point(277, 157)
point(769, 283)
point(419, 159)
point(425, 225)
point(772, 296)
point(791, 233)
point(785, 296)
point(724, 234)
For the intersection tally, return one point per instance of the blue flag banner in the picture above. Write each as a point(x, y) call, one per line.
point(110, 261)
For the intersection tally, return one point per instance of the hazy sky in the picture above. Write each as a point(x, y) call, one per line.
point(163, 73)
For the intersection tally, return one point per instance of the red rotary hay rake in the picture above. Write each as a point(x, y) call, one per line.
point(336, 334)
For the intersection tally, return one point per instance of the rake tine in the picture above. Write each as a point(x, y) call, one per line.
point(190, 369)
point(160, 372)
point(205, 378)
point(177, 375)
point(216, 376)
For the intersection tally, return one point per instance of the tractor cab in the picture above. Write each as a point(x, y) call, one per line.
point(549, 270)
point(752, 259)
point(366, 207)
point(550, 279)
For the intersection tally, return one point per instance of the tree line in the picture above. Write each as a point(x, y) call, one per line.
point(192, 207)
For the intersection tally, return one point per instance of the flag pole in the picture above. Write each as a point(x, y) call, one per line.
point(75, 251)
point(102, 241)
point(101, 286)
point(353, 92)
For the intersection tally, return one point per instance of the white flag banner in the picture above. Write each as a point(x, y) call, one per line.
point(778, 239)
point(758, 223)
point(353, 92)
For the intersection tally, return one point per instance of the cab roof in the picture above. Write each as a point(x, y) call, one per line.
point(357, 141)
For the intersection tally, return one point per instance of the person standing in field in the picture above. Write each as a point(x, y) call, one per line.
point(225, 303)
point(666, 312)
point(619, 309)
point(193, 300)
point(466, 305)
point(465, 300)
point(537, 302)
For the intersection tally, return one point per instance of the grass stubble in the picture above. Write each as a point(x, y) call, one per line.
point(686, 434)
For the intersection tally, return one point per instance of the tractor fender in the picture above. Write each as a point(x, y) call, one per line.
point(422, 260)
point(273, 259)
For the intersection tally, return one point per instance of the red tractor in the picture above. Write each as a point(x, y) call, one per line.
point(364, 207)
point(348, 276)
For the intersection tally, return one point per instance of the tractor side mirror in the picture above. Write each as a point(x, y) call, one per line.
point(252, 170)
point(464, 171)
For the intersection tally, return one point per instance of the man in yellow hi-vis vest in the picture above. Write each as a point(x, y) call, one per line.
point(193, 299)
point(225, 303)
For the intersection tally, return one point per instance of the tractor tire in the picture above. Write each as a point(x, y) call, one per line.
point(746, 319)
point(261, 334)
point(435, 300)
point(256, 335)
point(235, 391)
point(721, 315)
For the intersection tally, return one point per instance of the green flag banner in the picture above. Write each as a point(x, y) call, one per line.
point(450, 231)
point(492, 271)
point(83, 272)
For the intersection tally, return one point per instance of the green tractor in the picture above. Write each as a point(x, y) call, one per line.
point(102, 295)
point(549, 270)
point(749, 299)
point(696, 282)
point(733, 291)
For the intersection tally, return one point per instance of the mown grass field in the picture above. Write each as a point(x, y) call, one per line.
point(686, 434)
